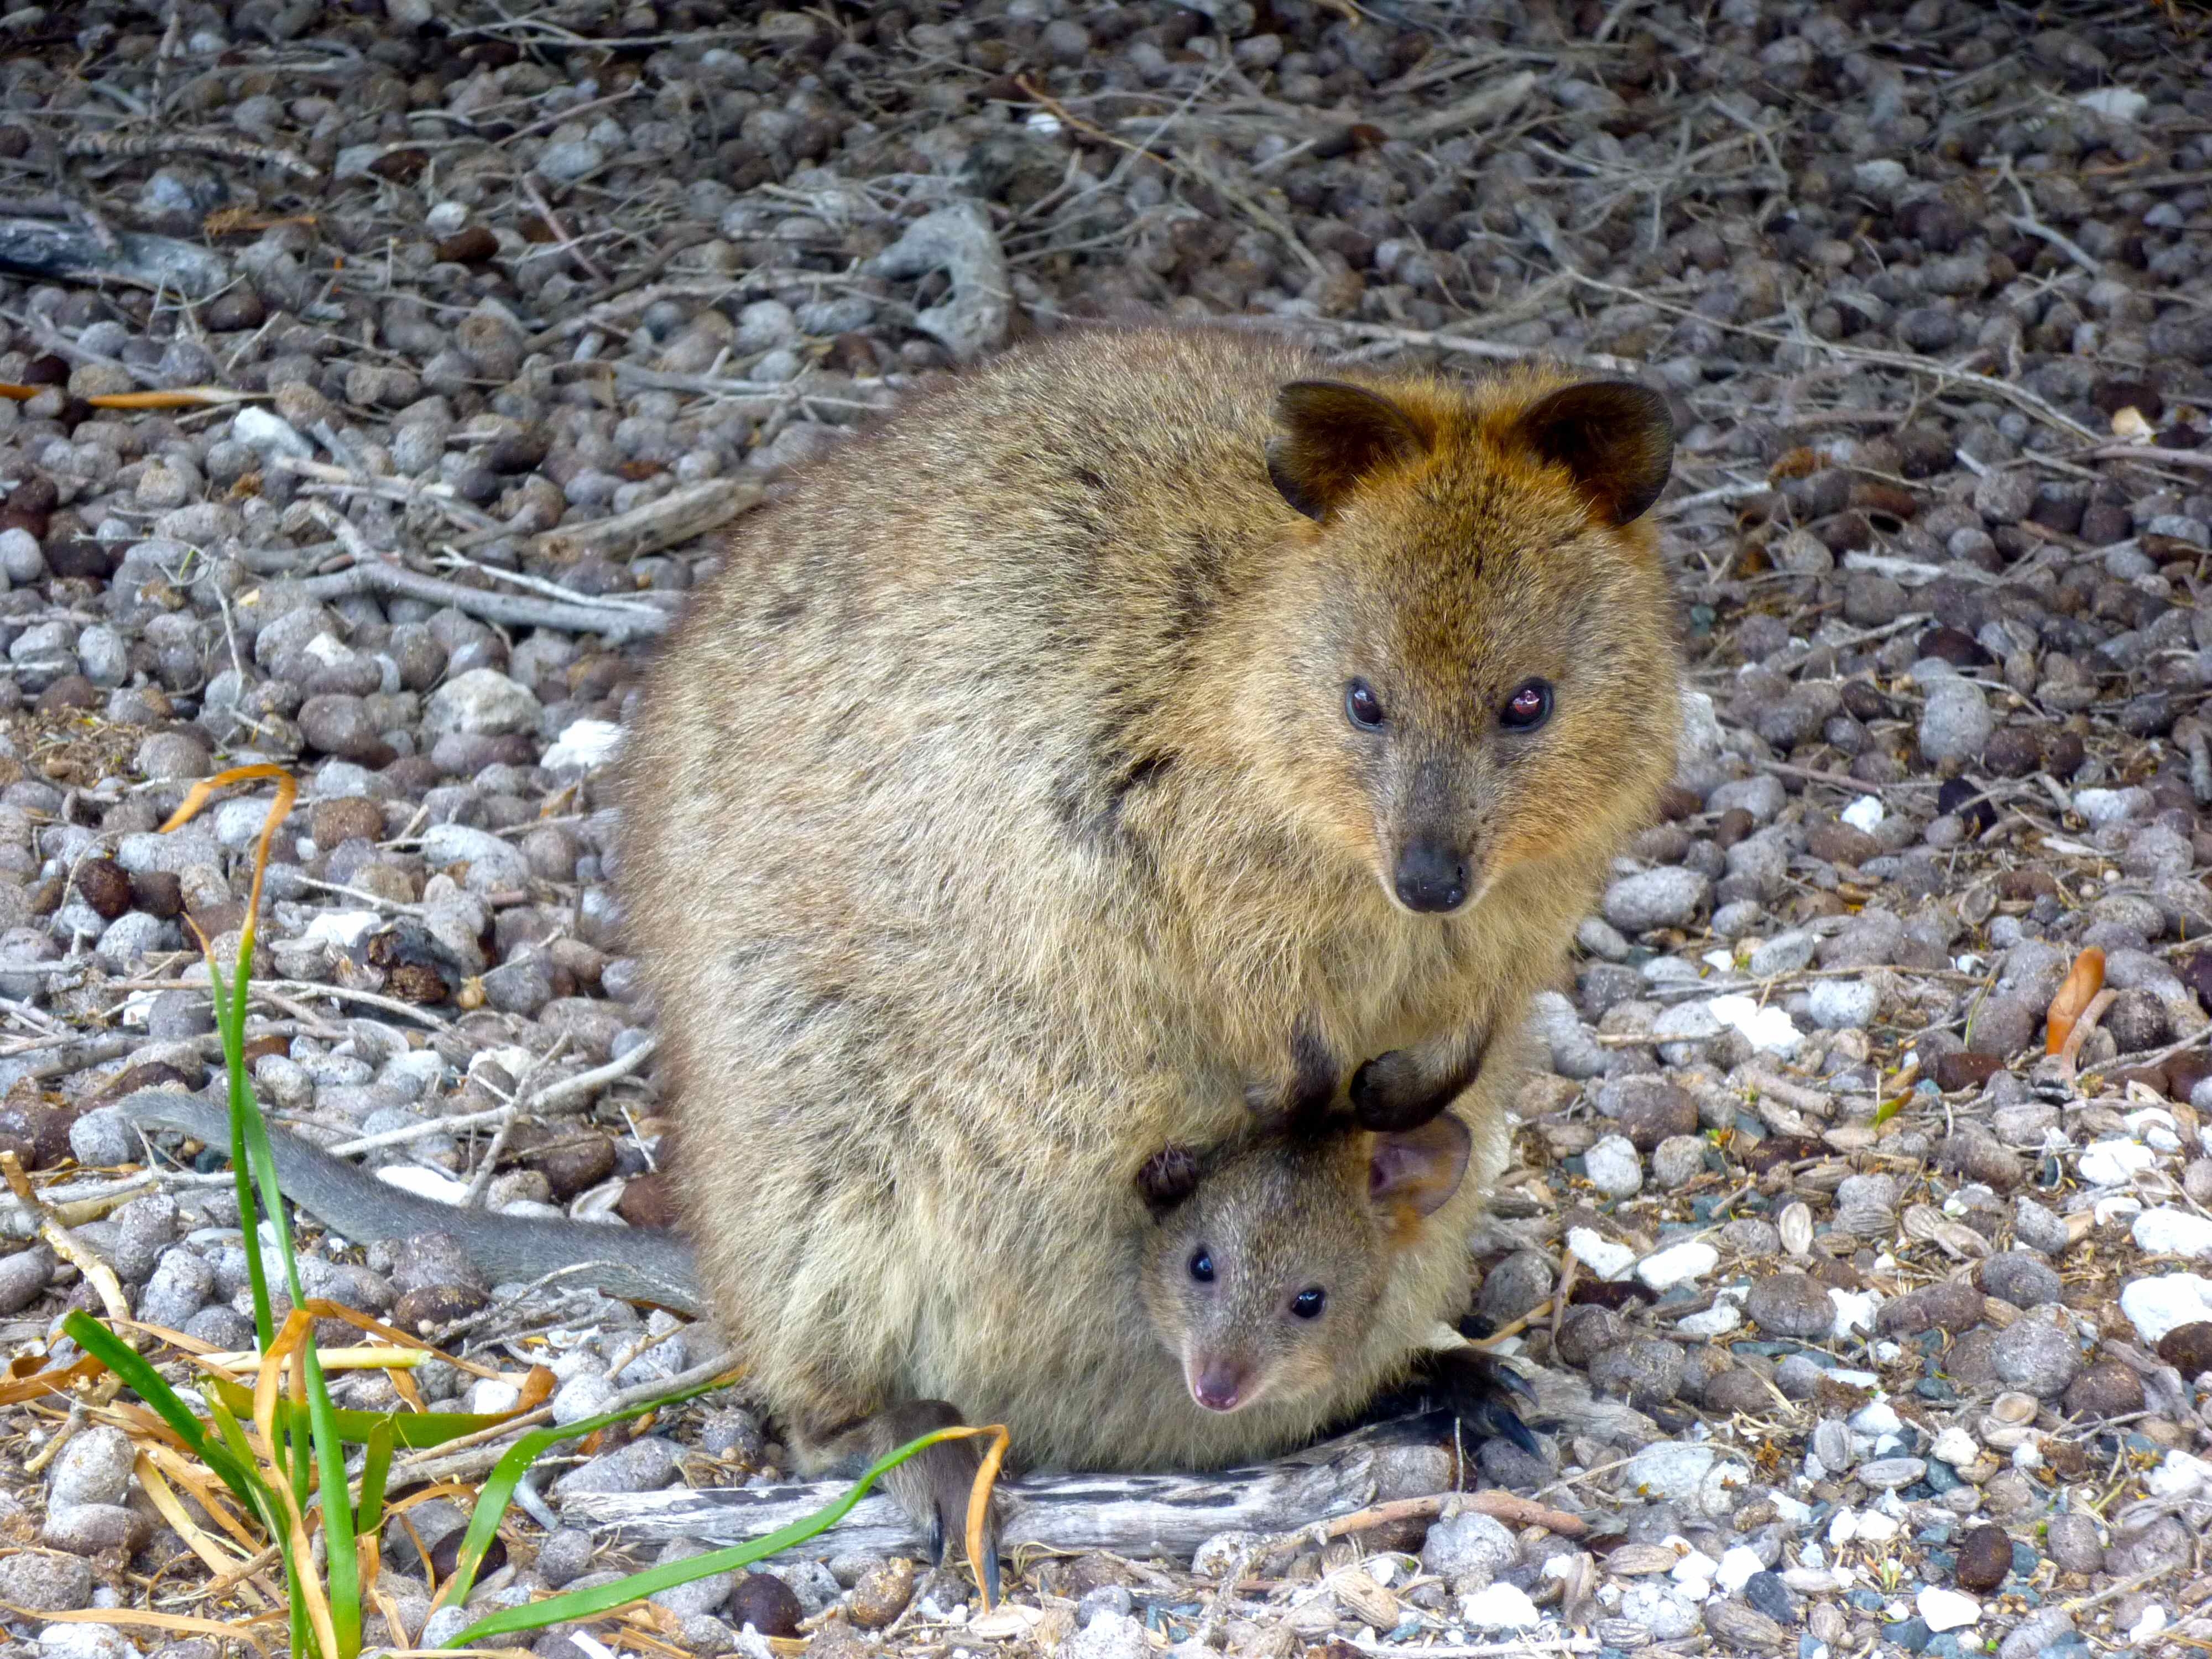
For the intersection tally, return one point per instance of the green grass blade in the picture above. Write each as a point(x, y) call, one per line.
point(374, 1471)
point(230, 1023)
point(415, 1430)
point(103, 1345)
point(342, 1568)
point(494, 1495)
point(589, 1603)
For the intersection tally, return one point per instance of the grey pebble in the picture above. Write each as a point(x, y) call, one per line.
point(102, 1138)
point(1103, 1598)
point(565, 1555)
point(642, 1465)
point(1670, 897)
point(2035, 1355)
point(1613, 1167)
point(1791, 1304)
point(1888, 1473)
point(46, 1583)
point(1469, 1552)
point(2020, 1277)
point(180, 1285)
point(144, 1228)
point(94, 1468)
point(427, 1259)
point(2074, 1543)
point(480, 702)
point(1955, 723)
point(89, 1529)
point(23, 1275)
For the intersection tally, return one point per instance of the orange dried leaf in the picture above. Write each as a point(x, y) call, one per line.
point(182, 396)
point(2082, 983)
point(21, 394)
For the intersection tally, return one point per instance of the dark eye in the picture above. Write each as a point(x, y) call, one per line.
point(1201, 1267)
point(1527, 707)
point(1362, 707)
point(1307, 1303)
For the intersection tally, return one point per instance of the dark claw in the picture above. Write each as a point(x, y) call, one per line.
point(1476, 1388)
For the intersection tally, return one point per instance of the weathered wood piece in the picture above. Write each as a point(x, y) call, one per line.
point(1134, 1514)
point(63, 248)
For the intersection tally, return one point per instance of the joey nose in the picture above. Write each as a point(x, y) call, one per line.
point(1217, 1384)
point(1431, 876)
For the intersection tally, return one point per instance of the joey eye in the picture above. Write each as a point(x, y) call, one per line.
point(1201, 1267)
point(1528, 708)
point(1308, 1303)
point(1362, 707)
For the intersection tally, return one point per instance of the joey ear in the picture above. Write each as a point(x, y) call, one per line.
point(1615, 436)
point(1166, 1179)
point(1336, 435)
point(1419, 1167)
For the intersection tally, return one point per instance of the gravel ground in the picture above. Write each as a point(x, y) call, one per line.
point(1892, 1332)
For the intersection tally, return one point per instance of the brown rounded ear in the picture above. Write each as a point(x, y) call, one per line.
point(1166, 1179)
point(1616, 437)
point(1420, 1168)
point(1336, 436)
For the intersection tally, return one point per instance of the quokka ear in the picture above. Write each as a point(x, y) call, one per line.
point(1418, 1168)
point(1336, 436)
point(1166, 1179)
point(1616, 437)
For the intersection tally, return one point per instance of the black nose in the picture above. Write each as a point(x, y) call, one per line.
point(1431, 876)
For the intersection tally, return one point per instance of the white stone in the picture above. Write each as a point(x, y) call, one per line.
point(1862, 814)
point(1875, 1527)
point(1678, 1264)
point(1716, 1321)
point(490, 1394)
point(2114, 1163)
point(2174, 1232)
point(1955, 1447)
point(1701, 727)
point(1500, 1606)
point(1737, 1568)
point(2106, 807)
point(1877, 1418)
point(1768, 1028)
point(2180, 1476)
point(424, 1183)
point(1854, 1311)
point(483, 702)
point(2157, 1305)
point(344, 929)
point(1601, 1255)
point(2115, 103)
point(271, 434)
point(583, 744)
point(1946, 1609)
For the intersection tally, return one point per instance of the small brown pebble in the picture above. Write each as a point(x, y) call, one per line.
point(1978, 1156)
point(347, 817)
point(574, 1163)
point(1985, 1559)
point(1839, 843)
point(2188, 1348)
point(647, 1202)
point(1731, 827)
point(766, 1602)
point(883, 1593)
point(2064, 757)
point(69, 691)
point(417, 983)
point(1650, 1115)
point(157, 892)
point(470, 247)
point(1791, 1304)
point(37, 1133)
point(2107, 1388)
point(1966, 1070)
point(1586, 1333)
point(1951, 1305)
point(436, 1306)
point(2012, 752)
point(105, 885)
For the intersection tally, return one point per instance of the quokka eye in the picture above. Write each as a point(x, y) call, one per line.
point(1528, 708)
point(1201, 1267)
point(1309, 1302)
point(1362, 707)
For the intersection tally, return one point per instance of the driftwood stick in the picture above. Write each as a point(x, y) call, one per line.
point(611, 623)
point(1140, 1515)
point(675, 518)
point(57, 248)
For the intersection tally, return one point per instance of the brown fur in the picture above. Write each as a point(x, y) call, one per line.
point(993, 820)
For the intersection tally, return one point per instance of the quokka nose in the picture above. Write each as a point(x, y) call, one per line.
point(1217, 1385)
point(1431, 876)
